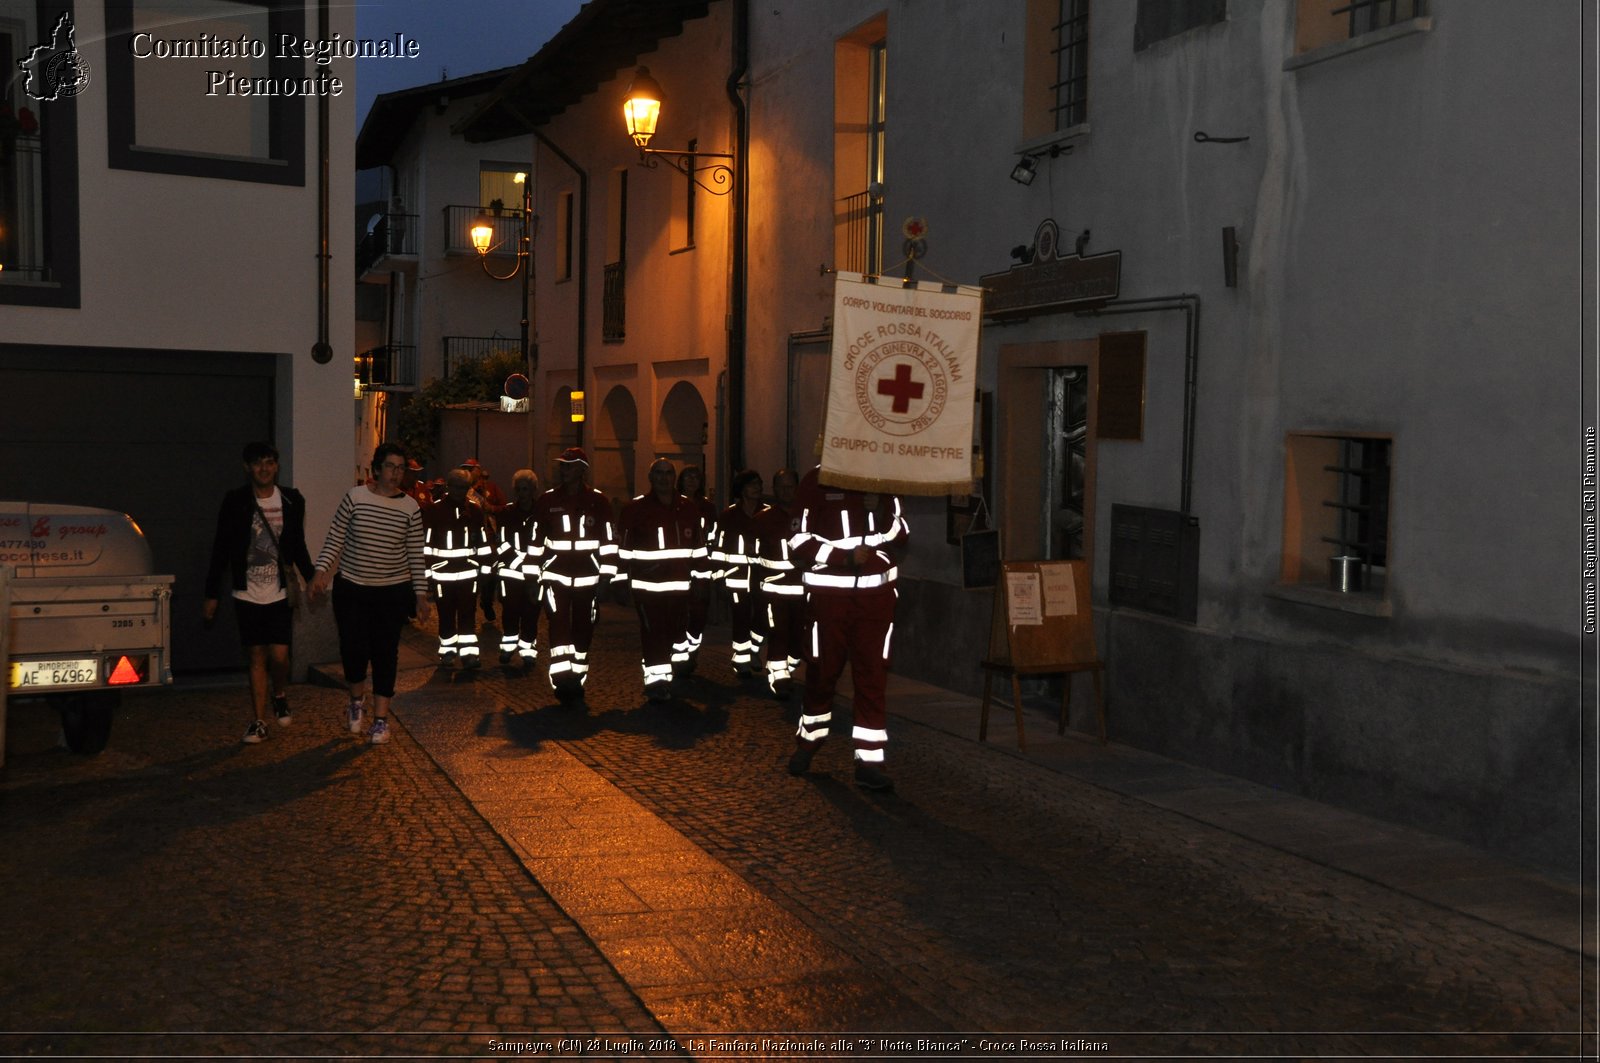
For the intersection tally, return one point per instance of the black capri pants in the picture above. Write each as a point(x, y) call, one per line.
point(369, 620)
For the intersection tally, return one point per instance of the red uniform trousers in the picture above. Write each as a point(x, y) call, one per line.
point(663, 639)
point(747, 621)
point(520, 605)
point(855, 627)
point(786, 635)
point(457, 601)
point(572, 613)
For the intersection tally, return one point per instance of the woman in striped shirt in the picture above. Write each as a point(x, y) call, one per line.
point(375, 546)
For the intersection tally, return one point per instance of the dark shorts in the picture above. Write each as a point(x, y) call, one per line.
point(263, 625)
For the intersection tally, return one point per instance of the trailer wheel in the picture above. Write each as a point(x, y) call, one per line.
point(86, 719)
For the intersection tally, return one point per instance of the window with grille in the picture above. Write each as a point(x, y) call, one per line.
point(1072, 64)
point(1336, 504)
point(1055, 71)
point(613, 302)
point(1323, 22)
point(860, 133)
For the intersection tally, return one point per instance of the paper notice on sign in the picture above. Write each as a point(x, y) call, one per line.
point(1022, 594)
point(1060, 590)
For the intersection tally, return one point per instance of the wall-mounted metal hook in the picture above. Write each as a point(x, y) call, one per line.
point(1206, 138)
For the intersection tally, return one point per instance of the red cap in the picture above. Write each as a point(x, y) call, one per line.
point(574, 454)
point(413, 464)
point(470, 463)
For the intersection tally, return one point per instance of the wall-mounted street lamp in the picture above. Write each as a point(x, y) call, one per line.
point(483, 242)
point(641, 110)
point(1027, 166)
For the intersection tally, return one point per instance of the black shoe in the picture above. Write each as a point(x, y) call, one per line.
point(658, 691)
point(783, 689)
point(447, 660)
point(505, 656)
point(871, 777)
point(471, 662)
point(800, 759)
point(568, 691)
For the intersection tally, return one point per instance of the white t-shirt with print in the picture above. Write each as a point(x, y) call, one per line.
point(261, 564)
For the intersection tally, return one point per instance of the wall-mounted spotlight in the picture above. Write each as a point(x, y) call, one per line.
point(641, 111)
point(1027, 166)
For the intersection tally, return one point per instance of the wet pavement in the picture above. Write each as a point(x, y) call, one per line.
point(511, 873)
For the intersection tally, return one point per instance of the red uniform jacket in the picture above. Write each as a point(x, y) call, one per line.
point(455, 541)
point(662, 545)
point(833, 522)
point(574, 543)
point(778, 572)
point(736, 547)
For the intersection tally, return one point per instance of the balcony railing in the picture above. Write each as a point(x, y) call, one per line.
point(459, 220)
point(613, 313)
point(391, 365)
point(459, 350)
point(387, 234)
point(858, 233)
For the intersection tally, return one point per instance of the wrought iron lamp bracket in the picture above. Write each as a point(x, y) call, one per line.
point(721, 174)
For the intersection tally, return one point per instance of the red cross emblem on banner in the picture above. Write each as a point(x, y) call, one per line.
point(901, 388)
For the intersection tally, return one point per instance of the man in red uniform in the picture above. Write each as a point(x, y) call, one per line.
point(692, 485)
point(455, 545)
point(520, 596)
point(736, 556)
point(846, 549)
point(486, 493)
point(660, 547)
point(418, 487)
point(783, 594)
point(576, 548)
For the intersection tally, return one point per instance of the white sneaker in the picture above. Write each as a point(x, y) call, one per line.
point(354, 715)
point(257, 732)
point(380, 731)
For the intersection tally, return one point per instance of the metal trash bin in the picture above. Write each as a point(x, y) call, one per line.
point(1345, 573)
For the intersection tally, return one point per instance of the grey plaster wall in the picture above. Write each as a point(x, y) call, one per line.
point(1493, 759)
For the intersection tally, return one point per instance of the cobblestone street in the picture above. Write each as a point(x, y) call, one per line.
point(510, 866)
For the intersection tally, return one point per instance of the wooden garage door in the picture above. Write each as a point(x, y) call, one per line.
point(152, 433)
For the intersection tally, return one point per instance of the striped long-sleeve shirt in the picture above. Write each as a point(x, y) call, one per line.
point(376, 541)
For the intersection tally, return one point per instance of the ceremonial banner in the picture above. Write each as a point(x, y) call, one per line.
point(900, 386)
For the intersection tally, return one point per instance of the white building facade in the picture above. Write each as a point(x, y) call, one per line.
point(1269, 285)
point(171, 286)
point(1348, 312)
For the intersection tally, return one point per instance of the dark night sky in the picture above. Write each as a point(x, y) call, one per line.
point(457, 38)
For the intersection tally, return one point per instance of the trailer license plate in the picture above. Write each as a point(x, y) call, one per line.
point(29, 675)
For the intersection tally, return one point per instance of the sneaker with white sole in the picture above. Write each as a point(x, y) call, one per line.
point(280, 709)
point(380, 731)
point(256, 733)
point(354, 715)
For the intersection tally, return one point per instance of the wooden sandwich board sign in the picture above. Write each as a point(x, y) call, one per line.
point(1042, 624)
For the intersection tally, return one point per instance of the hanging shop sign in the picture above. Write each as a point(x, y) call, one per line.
point(1052, 280)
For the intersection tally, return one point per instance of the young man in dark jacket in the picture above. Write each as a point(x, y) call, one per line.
point(260, 542)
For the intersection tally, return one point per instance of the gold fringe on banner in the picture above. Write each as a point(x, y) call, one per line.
point(891, 487)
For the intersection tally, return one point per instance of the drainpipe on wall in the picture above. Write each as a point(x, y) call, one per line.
point(322, 350)
point(739, 223)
